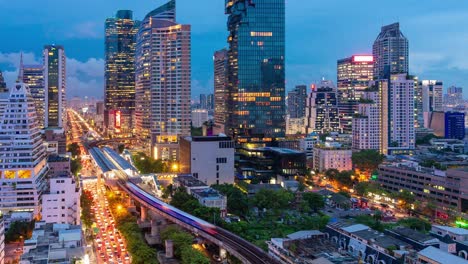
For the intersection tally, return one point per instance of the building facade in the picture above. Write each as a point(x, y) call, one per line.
point(119, 78)
point(366, 123)
point(55, 85)
point(61, 204)
point(353, 77)
point(2, 240)
point(332, 157)
point(454, 97)
point(322, 108)
point(397, 108)
point(454, 125)
point(209, 159)
point(33, 77)
point(391, 52)
point(444, 188)
point(256, 68)
point(432, 98)
point(163, 82)
point(23, 161)
point(297, 100)
point(199, 116)
point(220, 60)
point(3, 86)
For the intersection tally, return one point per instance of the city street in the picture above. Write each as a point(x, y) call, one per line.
point(109, 244)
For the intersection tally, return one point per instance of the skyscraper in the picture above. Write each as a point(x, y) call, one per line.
point(397, 108)
point(322, 108)
point(23, 166)
point(256, 74)
point(297, 99)
point(55, 85)
point(210, 102)
point(366, 123)
point(390, 51)
point(33, 77)
point(119, 94)
point(432, 98)
point(203, 101)
point(163, 80)
point(3, 87)
point(353, 77)
point(220, 61)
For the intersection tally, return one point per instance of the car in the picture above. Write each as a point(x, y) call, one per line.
point(18, 249)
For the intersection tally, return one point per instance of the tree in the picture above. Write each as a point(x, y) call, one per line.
point(237, 201)
point(121, 148)
point(314, 201)
point(274, 200)
point(19, 231)
point(86, 202)
point(75, 166)
point(147, 164)
point(367, 160)
point(416, 223)
point(74, 148)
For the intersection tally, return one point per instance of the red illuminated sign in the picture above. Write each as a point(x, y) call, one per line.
point(117, 119)
point(312, 87)
point(363, 58)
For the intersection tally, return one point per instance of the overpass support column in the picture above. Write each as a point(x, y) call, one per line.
point(222, 253)
point(154, 228)
point(143, 214)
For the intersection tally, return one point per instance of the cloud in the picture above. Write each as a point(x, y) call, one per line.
point(86, 30)
point(83, 77)
point(92, 67)
point(13, 59)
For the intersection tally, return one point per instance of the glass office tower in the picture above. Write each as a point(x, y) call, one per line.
point(33, 77)
point(391, 52)
point(119, 95)
point(3, 87)
point(256, 74)
point(55, 84)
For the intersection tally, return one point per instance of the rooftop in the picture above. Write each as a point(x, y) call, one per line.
point(304, 234)
point(453, 230)
point(57, 158)
point(207, 193)
point(441, 256)
point(189, 181)
point(279, 150)
point(412, 234)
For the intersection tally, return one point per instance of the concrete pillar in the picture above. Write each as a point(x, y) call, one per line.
point(222, 253)
point(143, 213)
point(169, 249)
point(129, 202)
point(154, 228)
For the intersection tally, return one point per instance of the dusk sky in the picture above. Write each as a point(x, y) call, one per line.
point(318, 33)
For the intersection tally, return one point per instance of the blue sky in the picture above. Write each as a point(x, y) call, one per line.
point(318, 33)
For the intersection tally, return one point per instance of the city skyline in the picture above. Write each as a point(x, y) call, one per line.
point(307, 60)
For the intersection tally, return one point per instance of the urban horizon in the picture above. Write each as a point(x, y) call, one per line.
point(307, 62)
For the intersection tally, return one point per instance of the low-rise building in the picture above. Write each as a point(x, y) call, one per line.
point(445, 188)
point(61, 204)
point(209, 159)
point(54, 243)
point(432, 255)
point(205, 195)
point(367, 244)
point(55, 141)
point(453, 240)
point(267, 164)
point(209, 197)
point(332, 155)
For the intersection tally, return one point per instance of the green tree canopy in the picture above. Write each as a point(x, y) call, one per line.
point(314, 201)
point(367, 160)
point(147, 164)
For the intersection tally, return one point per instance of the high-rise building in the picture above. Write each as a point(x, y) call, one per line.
point(61, 204)
point(297, 99)
point(366, 123)
point(55, 85)
point(390, 51)
point(203, 101)
point(119, 78)
point(454, 97)
point(397, 108)
point(256, 70)
point(33, 77)
point(322, 108)
point(353, 77)
point(220, 61)
point(432, 98)
point(3, 86)
point(448, 124)
point(418, 104)
point(210, 102)
point(23, 161)
point(163, 81)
